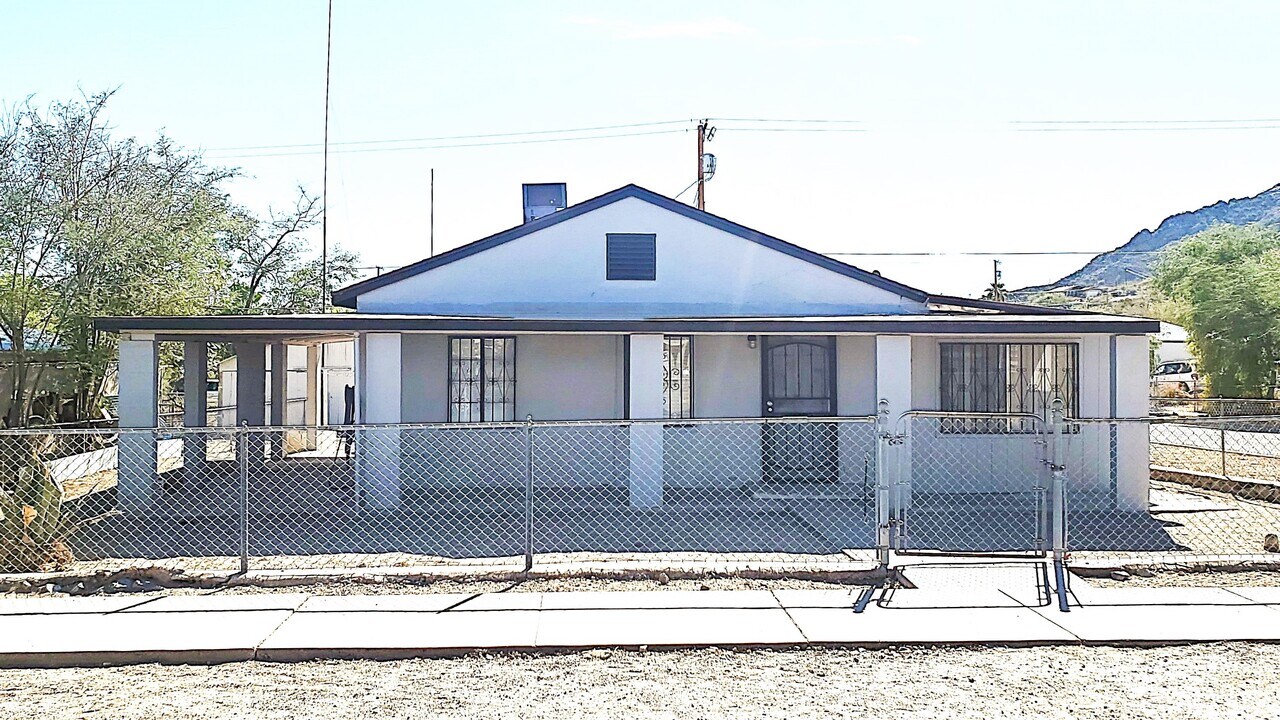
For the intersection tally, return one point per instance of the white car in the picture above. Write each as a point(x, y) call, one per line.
point(1179, 376)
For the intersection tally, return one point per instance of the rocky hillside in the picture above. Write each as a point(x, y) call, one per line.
point(1133, 261)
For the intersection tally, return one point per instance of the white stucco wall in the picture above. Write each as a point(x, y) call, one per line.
point(726, 377)
point(568, 377)
point(560, 271)
point(581, 377)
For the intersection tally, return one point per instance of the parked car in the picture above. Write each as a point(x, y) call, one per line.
point(1177, 377)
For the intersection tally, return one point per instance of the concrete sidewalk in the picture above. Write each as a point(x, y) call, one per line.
point(212, 628)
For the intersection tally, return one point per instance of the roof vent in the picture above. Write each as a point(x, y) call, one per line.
point(542, 199)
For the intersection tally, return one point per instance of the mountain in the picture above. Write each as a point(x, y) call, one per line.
point(1134, 261)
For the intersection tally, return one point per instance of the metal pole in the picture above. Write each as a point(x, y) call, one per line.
point(883, 527)
point(243, 451)
point(1222, 444)
point(1058, 504)
point(882, 488)
point(528, 493)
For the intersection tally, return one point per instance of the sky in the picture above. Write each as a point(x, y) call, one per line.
point(941, 127)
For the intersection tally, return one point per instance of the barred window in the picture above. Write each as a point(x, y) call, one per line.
point(1009, 378)
point(482, 379)
point(677, 376)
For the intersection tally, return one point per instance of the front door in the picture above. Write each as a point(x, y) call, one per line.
point(799, 375)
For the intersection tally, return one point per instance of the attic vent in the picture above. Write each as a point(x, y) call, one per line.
point(631, 256)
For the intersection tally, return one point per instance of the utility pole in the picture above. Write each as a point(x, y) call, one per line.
point(997, 290)
point(706, 161)
point(702, 183)
point(431, 233)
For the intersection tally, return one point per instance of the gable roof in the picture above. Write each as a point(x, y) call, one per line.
point(346, 297)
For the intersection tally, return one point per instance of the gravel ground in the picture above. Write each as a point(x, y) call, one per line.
point(535, 585)
point(1175, 578)
point(1198, 681)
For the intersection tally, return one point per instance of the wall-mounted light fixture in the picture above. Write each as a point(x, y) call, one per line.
point(751, 341)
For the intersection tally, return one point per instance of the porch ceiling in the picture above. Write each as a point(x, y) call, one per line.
point(328, 327)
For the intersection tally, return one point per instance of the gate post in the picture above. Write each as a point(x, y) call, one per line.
point(1058, 503)
point(884, 529)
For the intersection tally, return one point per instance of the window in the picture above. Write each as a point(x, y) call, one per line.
point(677, 376)
point(1008, 378)
point(482, 379)
point(630, 256)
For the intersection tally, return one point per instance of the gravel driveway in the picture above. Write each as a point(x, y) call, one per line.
point(1199, 681)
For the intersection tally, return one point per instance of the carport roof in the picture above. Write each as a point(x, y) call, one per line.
point(322, 327)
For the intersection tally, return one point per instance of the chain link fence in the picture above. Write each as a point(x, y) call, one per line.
point(794, 493)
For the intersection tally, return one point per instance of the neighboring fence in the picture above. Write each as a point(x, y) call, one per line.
point(1214, 407)
point(783, 493)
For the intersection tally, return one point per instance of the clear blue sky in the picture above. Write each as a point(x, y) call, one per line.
point(939, 89)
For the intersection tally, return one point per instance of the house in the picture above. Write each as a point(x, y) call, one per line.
point(630, 307)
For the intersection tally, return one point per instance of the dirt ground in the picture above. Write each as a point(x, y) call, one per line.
point(1197, 681)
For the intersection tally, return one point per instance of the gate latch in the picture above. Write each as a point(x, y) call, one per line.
point(893, 439)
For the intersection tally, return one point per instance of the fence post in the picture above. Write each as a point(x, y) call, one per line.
point(242, 443)
point(883, 527)
point(1058, 503)
point(528, 493)
point(1222, 445)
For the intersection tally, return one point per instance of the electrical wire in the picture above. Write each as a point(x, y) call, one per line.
point(454, 137)
point(450, 145)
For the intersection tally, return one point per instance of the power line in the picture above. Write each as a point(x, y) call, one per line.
point(451, 145)
point(455, 137)
point(1144, 122)
point(783, 120)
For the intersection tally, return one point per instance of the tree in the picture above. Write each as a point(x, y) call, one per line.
point(1225, 282)
point(271, 268)
point(91, 225)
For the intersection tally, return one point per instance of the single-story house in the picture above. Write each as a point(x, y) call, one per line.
point(631, 307)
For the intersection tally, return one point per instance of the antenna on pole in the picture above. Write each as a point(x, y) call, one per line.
point(431, 233)
point(324, 184)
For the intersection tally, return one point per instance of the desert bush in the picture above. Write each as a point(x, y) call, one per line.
point(36, 525)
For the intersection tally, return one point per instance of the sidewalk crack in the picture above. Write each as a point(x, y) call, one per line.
point(794, 624)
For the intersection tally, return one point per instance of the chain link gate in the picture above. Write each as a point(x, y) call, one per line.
point(969, 484)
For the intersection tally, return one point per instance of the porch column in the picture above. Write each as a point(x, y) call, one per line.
point(279, 397)
point(311, 409)
point(251, 393)
point(378, 458)
point(136, 476)
point(645, 401)
point(195, 405)
point(1130, 443)
point(893, 391)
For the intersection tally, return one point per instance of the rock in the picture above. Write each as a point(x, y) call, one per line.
point(704, 586)
point(1271, 543)
point(597, 654)
point(663, 578)
point(1119, 575)
point(1144, 572)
